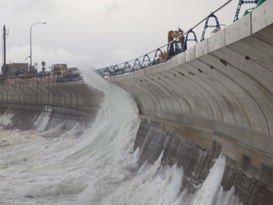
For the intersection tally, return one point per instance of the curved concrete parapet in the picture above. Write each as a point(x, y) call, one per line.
point(74, 95)
point(74, 101)
point(223, 85)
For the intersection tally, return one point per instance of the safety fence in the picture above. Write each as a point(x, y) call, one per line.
point(167, 51)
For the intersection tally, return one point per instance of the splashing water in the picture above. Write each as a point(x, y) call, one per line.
point(95, 165)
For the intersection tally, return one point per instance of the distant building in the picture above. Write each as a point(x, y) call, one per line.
point(58, 67)
point(15, 69)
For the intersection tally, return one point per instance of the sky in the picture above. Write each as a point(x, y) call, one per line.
point(92, 34)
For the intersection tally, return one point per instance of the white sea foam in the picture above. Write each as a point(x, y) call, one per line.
point(42, 120)
point(212, 184)
point(96, 165)
point(5, 119)
point(211, 191)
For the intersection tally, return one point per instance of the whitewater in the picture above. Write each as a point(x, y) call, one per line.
point(95, 164)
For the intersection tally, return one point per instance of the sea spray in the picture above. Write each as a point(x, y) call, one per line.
point(95, 164)
point(5, 119)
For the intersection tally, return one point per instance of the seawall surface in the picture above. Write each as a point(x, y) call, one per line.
point(74, 101)
point(217, 97)
point(73, 94)
point(223, 84)
point(217, 93)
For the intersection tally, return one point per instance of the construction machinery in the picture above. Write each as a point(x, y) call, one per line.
point(175, 44)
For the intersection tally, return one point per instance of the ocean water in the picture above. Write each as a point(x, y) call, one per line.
point(95, 165)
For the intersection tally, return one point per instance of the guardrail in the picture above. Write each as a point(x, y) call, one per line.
point(167, 51)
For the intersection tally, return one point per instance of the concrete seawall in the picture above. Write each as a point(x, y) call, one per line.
point(71, 101)
point(223, 84)
point(217, 97)
point(75, 95)
point(219, 91)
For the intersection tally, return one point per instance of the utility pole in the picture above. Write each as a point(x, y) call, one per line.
point(4, 68)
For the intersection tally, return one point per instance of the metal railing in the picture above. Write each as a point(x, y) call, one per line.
point(164, 53)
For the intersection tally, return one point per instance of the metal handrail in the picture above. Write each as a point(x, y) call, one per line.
point(108, 71)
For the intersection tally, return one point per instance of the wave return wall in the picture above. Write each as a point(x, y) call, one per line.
point(220, 90)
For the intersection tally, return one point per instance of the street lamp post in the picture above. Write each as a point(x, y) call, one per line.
point(30, 56)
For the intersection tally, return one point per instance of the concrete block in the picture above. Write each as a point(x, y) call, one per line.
point(178, 59)
point(259, 18)
point(123, 76)
point(151, 70)
point(138, 73)
point(233, 32)
point(245, 26)
point(269, 12)
point(218, 40)
point(171, 63)
point(157, 68)
point(191, 53)
point(202, 48)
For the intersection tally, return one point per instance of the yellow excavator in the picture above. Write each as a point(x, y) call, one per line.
point(175, 47)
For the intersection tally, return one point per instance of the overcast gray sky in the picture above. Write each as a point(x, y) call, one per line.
point(99, 33)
